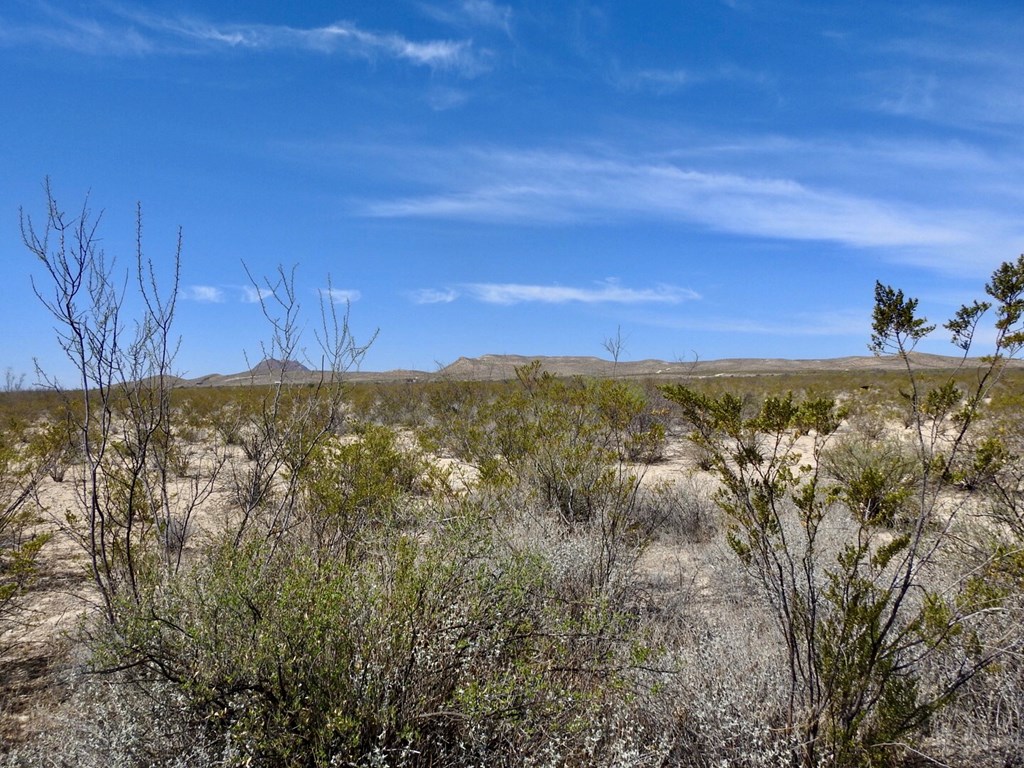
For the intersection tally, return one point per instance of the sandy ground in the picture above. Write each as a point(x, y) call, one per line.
point(34, 652)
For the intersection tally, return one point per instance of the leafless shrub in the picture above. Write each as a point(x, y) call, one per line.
point(680, 511)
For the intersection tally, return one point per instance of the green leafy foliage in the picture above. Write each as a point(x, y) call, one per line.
point(423, 652)
point(349, 487)
point(876, 479)
point(1007, 288)
point(860, 623)
point(895, 324)
point(56, 443)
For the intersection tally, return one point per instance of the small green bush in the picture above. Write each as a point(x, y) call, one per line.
point(875, 479)
point(350, 487)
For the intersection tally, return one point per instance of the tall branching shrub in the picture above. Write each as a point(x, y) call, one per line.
point(860, 620)
point(123, 391)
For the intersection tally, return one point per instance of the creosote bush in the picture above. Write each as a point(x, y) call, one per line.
point(874, 479)
point(351, 487)
point(865, 623)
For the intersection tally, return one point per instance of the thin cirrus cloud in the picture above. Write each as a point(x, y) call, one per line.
point(662, 82)
point(52, 27)
point(471, 13)
point(213, 294)
point(606, 292)
point(957, 68)
point(118, 30)
point(434, 296)
point(440, 98)
point(553, 187)
point(659, 80)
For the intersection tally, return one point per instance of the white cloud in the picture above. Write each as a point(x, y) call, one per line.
point(662, 82)
point(123, 30)
point(471, 13)
point(341, 36)
point(950, 205)
point(604, 292)
point(340, 295)
point(544, 186)
point(608, 291)
point(254, 295)
point(208, 294)
point(958, 68)
point(434, 296)
point(668, 79)
point(82, 35)
point(487, 13)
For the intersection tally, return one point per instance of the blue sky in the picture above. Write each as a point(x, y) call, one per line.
point(720, 178)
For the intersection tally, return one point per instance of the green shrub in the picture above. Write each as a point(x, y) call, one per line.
point(875, 479)
point(350, 487)
point(57, 443)
point(863, 622)
point(443, 650)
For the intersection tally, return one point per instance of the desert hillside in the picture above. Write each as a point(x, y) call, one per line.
point(503, 367)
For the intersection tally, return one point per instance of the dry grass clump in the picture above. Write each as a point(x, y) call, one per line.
point(112, 722)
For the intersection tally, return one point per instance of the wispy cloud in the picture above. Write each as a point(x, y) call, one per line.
point(254, 295)
point(434, 296)
point(471, 13)
point(121, 30)
point(441, 98)
point(207, 294)
point(664, 80)
point(737, 5)
point(545, 186)
point(609, 291)
point(667, 81)
point(250, 294)
point(52, 27)
point(958, 68)
point(340, 295)
point(488, 13)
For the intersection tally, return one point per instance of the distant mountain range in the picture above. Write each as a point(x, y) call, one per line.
point(499, 367)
